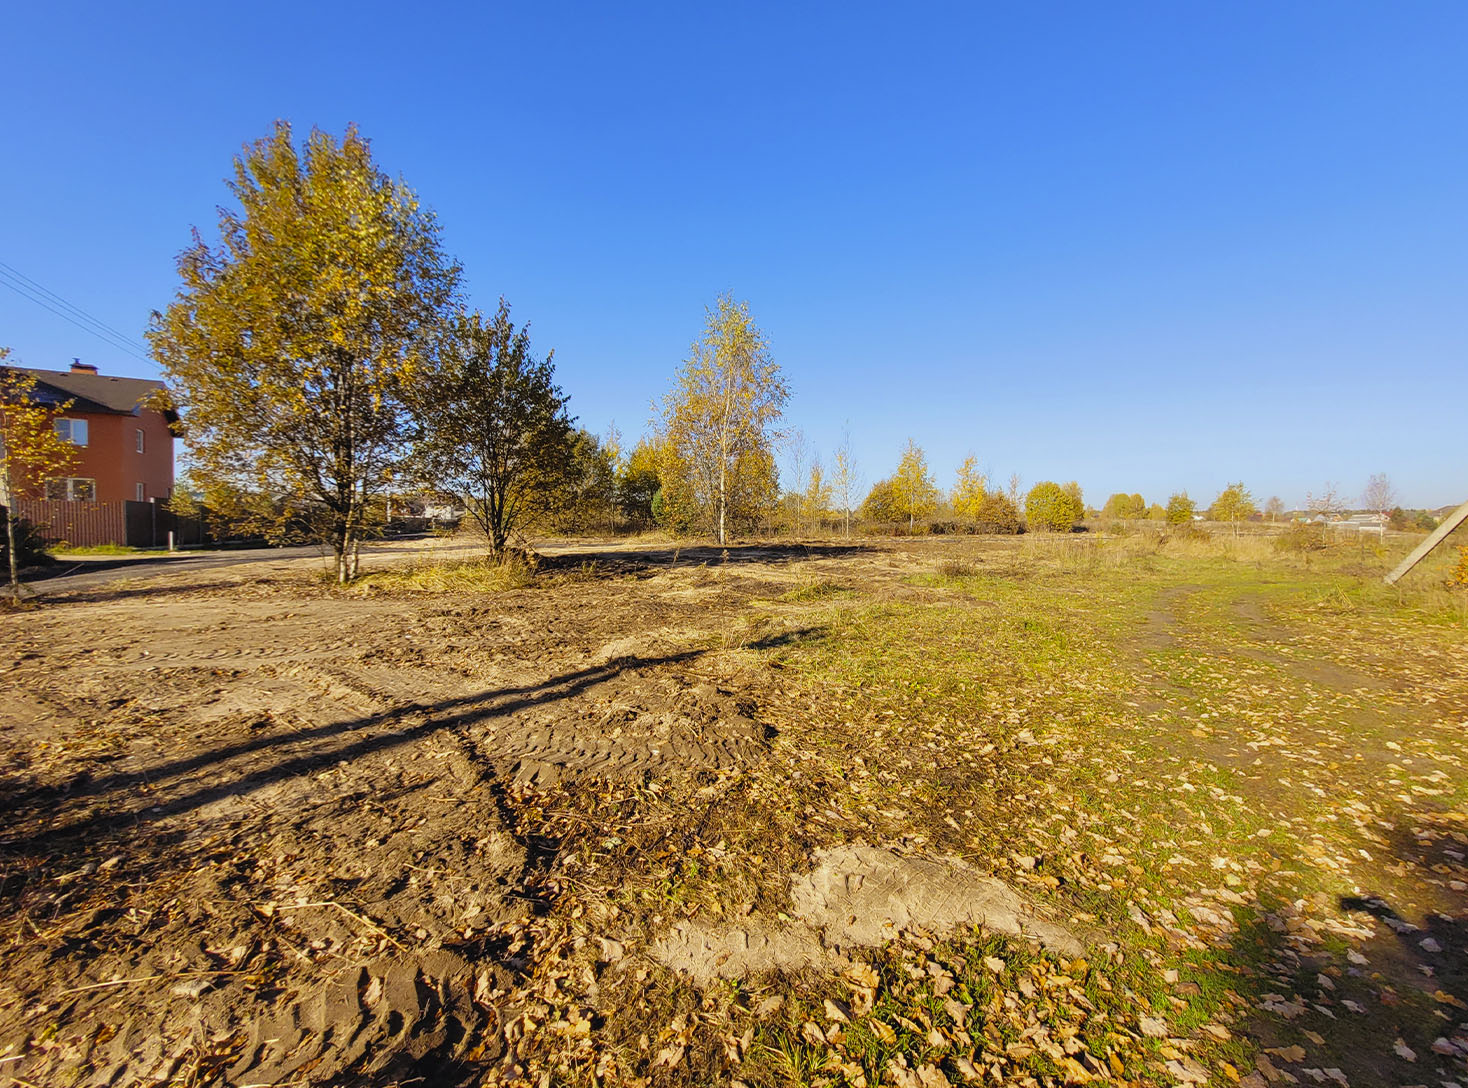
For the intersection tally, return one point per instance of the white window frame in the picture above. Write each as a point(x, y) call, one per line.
point(68, 432)
point(70, 485)
point(140, 440)
point(140, 493)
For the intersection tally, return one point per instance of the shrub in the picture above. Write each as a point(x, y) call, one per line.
point(997, 514)
point(1458, 579)
point(1180, 509)
point(30, 546)
point(1052, 508)
point(1301, 537)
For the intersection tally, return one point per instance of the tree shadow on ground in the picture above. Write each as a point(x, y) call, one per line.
point(1367, 989)
point(113, 592)
point(128, 885)
point(285, 755)
point(648, 560)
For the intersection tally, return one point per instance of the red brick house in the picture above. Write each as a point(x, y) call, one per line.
point(124, 449)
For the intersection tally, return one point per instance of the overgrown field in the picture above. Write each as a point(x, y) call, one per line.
point(1054, 810)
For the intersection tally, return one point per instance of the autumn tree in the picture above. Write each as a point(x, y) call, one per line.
point(1073, 489)
point(1233, 504)
point(1274, 507)
point(637, 483)
point(882, 503)
point(496, 431)
point(912, 485)
point(718, 421)
point(583, 494)
point(31, 450)
point(997, 514)
point(1124, 506)
point(290, 346)
point(1156, 512)
point(815, 497)
point(1052, 508)
point(798, 458)
point(844, 480)
point(970, 489)
point(1180, 508)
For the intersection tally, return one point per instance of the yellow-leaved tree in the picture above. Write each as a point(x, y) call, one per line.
point(1234, 504)
point(291, 345)
point(912, 485)
point(716, 463)
point(970, 490)
point(31, 452)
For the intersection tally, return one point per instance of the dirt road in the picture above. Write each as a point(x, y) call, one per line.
point(238, 800)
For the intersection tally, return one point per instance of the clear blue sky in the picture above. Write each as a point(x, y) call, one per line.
point(1145, 246)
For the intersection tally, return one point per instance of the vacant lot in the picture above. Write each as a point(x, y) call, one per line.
point(1033, 811)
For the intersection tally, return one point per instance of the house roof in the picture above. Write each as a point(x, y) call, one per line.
point(92, 392)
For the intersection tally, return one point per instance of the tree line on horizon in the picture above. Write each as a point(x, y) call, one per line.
point(322, 358)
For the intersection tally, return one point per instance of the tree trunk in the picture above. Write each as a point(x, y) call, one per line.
point(14, 560)
point(723, 496)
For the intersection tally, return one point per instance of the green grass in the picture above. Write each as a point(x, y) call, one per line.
point(1182, 751)
point(103, 549)
point(1227, 758)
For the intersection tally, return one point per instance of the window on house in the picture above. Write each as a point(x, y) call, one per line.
point(72, 430)
point(72, 489)
point(140, 440)
point(140, 487)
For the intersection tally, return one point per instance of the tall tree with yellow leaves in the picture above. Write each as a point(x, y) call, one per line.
point(970, 490)
point(912, 484)
point(719, 418)
point(291, 345)
point(31, 452)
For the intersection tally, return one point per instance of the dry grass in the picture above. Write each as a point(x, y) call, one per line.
point(467, 576)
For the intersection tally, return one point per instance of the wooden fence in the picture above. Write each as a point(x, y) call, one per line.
point(87, 524)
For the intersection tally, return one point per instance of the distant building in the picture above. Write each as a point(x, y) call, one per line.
point(124, 448)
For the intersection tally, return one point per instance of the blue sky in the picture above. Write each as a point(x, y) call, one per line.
point(1145, 246)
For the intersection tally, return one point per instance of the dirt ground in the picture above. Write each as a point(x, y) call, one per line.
point(603, 827)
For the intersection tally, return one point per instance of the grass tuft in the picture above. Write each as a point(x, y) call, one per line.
point(816, 591)
point(469, 576)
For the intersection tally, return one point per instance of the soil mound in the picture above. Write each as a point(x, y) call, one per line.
point(859, 896)
point(862, 895)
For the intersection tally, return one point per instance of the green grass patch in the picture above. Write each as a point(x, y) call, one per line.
point(103, 549)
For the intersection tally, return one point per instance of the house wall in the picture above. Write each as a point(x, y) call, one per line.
point(111, 457)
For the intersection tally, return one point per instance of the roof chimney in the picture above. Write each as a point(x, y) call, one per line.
point(79, 367)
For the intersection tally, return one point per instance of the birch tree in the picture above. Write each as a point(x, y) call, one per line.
point(1234, 504)
point(913, 485)
point(31, 452)
point(816, 497)
point(291, 344)
point(845, 480)
point(718, 420)
point(970, 490)
point(1379, 496)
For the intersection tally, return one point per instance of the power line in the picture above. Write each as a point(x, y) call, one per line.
point(67, 305)
point(78, 317)
point(32, 291)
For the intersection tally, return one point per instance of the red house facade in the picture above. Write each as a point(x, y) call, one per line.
point(124, 448)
